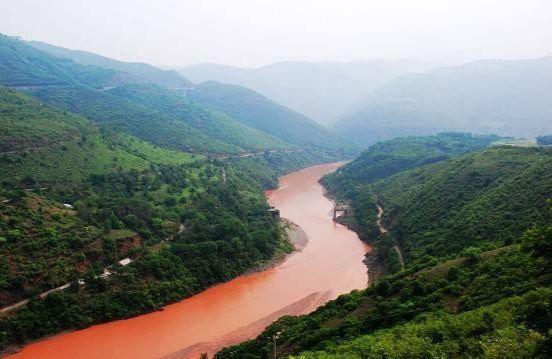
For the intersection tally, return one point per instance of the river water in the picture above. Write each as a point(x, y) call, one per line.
point(329, 265)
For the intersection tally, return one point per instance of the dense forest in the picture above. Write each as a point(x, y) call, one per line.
point(474, 230)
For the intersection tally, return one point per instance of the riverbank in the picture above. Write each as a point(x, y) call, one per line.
point(374, 265)
point(295, 238)
point(328, 265)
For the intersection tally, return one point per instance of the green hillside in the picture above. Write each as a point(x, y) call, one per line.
point(386, 158)
point(504, 329)
point(23, 65)
point(149, 73)
point(215, 124)
point(150, 112)
point(257, 111)
point(481, 199)
point(75, 199)
point(47, 144)
point(475, 231)
point(134, 118)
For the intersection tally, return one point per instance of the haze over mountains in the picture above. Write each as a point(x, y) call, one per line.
point(323, 91)
point(125, 187)
point(508, 97)
point(367, 101)
point(363, 101)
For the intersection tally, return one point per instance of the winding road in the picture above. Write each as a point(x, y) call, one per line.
point(383, 230)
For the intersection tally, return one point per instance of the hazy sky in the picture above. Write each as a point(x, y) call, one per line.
point(251, 33)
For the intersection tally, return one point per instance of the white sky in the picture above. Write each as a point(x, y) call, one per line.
point(252, 33)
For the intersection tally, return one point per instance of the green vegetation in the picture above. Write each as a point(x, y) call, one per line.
point(226, 230)
point(502, 330)
point(75, 199)
point(475, 231)
point(23, 65)
point(386, 158)
point(133, 118)
point(483, 199)
point(257, 111)
point(214, 124)
point(167, 78)
point(47, 144)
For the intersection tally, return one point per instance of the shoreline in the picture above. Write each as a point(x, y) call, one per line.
point(295, 236)
point(374, 267)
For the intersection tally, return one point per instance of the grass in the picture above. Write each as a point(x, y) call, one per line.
point(120, 234)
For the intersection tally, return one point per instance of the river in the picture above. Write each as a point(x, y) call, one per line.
point(329, 265)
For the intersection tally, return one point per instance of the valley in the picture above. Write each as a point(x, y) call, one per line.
point(292, 203)
point(329, 264)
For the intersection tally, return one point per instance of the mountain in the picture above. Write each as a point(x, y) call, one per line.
point(77, 198)
point(24, 66)
point(112, 98)
point(191, 129)
point(324, 91)
point(257, 111)
point(467, 243)
point(167, 78)
point(48, 144)
point(386, 158)
point(493, 96)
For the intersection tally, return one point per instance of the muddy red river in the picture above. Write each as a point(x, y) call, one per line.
point(330, 264)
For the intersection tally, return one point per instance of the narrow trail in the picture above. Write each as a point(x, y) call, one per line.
point(383, 230)
point(106, 273)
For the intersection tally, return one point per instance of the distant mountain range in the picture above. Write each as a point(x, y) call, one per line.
point(371, 100)
point(323, 91)
point(489, 96)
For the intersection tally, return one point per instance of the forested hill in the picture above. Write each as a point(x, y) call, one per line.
point(386, 158)
point(475, 231)
point(257, 111)
point(129, 102)
point(22, 65)
point(76, 199)
point(167, 78)
point(191, 129)
point(216, 124)
point(43, 143)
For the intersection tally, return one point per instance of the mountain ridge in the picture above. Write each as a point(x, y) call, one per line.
point(507, 97)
